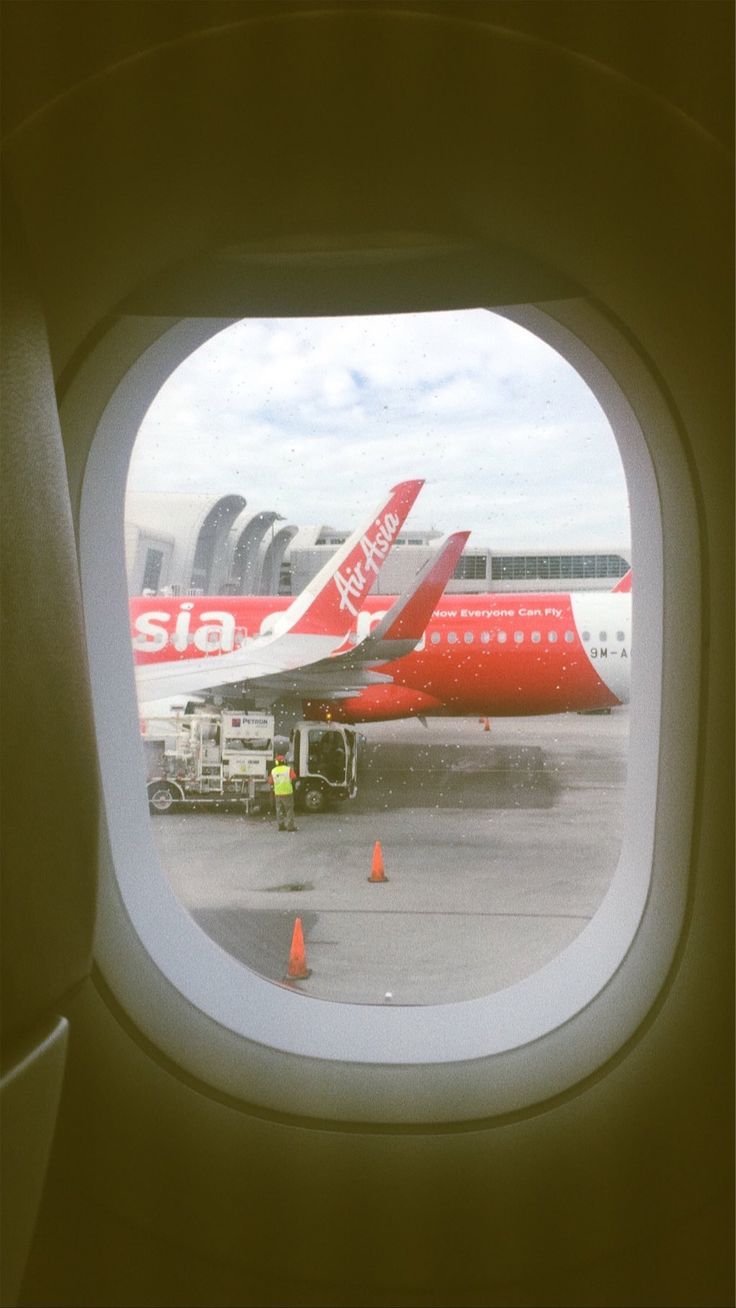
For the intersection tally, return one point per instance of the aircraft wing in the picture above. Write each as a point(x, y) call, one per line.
point(354, 665)
point(314, 626)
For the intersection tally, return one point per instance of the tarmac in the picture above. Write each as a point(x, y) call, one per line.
point(498, 847)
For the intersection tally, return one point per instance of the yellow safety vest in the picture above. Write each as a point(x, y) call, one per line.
point(281, 779)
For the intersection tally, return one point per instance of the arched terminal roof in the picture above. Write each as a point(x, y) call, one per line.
point(217, 545)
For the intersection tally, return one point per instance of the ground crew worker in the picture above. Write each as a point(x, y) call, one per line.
point(282, 778)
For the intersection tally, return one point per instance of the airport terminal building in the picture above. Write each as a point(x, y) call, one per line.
point(178, 543)
point(202, 544)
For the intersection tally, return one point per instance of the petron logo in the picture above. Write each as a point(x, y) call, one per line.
point(352, 585)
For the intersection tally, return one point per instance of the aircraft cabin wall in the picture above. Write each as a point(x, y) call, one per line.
point(156, 157)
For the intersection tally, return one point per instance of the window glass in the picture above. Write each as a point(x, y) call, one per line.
point(152, 574)
point(545, 567)
point(471, 567)
point(236, 515)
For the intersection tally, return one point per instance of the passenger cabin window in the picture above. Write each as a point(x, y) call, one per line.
point(261, 455)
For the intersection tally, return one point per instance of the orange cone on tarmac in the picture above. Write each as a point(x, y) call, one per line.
point(377, 869)
point(298, 970)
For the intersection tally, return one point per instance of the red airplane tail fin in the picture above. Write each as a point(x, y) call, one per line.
point(623, 586)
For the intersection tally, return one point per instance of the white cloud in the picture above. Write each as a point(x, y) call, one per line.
point(317, 417)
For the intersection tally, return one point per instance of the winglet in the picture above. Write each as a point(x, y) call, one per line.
point(330, 603)
point(312, 626)
point(623, 587)
point(407, 619)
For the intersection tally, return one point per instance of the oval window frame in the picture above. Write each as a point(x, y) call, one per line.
point(248, 1038)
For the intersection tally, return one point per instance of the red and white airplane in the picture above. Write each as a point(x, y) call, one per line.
point(349, 657)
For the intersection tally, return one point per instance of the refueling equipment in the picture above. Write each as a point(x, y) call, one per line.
point(206, 758)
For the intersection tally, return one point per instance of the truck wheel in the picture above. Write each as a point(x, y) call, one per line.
point(314, 799)
point(161, 796)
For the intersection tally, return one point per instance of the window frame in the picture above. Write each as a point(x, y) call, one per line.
point(246, 1037)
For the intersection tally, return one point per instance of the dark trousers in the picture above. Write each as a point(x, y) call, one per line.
point(285, 812)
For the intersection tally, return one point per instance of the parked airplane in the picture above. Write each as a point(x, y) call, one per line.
point(496, 654)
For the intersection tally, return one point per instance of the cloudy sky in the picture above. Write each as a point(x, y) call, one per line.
point(318, 417)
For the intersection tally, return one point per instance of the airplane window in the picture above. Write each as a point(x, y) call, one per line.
point(224, 471)
point(620, 636)
point(603, 635)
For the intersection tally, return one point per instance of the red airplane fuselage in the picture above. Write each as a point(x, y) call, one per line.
point(497, 655)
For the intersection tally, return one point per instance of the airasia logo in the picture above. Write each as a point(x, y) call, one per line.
point(216, 631)
point(353, 583)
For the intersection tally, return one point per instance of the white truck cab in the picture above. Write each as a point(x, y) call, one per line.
point(325, 759)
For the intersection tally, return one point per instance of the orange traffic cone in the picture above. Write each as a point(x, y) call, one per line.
point(377, 869)
point(298, 970)
point(486, 724)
